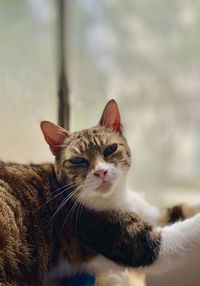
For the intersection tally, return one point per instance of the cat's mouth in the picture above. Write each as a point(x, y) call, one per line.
point(105, 186)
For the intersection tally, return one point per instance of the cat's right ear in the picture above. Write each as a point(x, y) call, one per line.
point(54, 136)
point(111, 117)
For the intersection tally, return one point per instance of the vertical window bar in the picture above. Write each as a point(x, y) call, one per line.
point(63, 90)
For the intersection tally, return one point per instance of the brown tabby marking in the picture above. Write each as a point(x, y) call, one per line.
point(25, 242)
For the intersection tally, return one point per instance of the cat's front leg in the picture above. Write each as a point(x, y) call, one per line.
point(127, 240)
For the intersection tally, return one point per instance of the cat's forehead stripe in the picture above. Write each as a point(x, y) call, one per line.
point(86, 144)
point(85, 140)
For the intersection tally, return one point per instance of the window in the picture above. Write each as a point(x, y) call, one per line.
point(27, 78)
point(146, 55)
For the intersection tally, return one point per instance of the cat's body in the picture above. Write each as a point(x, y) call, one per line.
point(77, 217)
point(29, 245)
point(32, 241)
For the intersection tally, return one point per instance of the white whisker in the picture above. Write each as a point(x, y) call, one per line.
point(63, 203)
point(61, 192)
point(71, 211)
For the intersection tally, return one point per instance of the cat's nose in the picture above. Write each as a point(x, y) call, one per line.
point(101, 173)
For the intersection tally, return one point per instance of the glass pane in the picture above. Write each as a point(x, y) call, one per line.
point(27, 78)
point(146, 55)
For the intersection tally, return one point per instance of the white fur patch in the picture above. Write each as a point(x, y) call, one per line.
point(97, 199)
point(177, 241)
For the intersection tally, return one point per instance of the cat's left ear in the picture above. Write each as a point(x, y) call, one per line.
point(111, 117)
point(54, 135)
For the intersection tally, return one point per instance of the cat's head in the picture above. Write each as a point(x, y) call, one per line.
point(93, 161)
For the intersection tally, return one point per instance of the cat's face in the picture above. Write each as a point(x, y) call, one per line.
point(93, 161)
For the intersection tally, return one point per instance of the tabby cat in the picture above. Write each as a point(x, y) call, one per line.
point(80, 214)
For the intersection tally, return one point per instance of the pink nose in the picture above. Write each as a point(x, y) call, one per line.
point(101, 173)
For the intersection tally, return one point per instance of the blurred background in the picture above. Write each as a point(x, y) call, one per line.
point(145, 54)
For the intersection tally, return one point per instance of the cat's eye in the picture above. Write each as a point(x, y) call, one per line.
point(110, 150)
point(79, 161)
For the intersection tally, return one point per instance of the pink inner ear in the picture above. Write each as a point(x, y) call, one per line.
point(54, 136)
point(111, 116)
